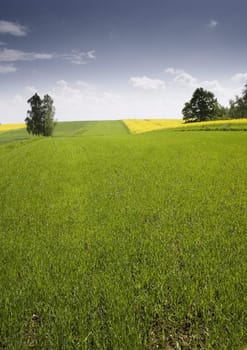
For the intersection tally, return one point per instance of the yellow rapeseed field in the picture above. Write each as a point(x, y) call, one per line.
point(7, 127)
point(139, 126)
point(136, 126)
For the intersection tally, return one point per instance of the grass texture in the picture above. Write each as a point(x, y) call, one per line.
point(123, 241)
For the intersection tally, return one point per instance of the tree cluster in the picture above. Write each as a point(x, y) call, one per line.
point(204, 106)
point(238, 107)
point(40, 119)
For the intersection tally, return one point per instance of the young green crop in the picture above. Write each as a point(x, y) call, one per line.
point(124, 242)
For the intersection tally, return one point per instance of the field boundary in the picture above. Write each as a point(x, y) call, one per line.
point(140, 126)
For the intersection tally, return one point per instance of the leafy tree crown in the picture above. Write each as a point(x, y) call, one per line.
point(202, 106)
point(40, 119)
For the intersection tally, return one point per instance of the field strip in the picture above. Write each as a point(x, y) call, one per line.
point(145, 125)
point(8, 127)
point(136, 126)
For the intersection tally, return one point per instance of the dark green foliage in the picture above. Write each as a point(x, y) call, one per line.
point(223, 113)
point(40, 119)
point(48, 112)
point(34, 119)
point(238, 108)
point(203, 106)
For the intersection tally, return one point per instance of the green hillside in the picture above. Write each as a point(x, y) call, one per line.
point(123, 241)
point(68, 129)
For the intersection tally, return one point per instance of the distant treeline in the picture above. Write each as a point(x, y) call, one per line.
point(204, 106)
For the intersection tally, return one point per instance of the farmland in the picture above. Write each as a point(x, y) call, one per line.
point(140, 126)
point(7, 127)
point(116, 241)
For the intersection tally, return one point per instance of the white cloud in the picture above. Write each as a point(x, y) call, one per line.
point(223, 94)
point(75, 57)
point(8, 55)
point(81, 100)
point(185, 79)
point(146, 83)
point(83, 84)
point(188, 83)
point(212, 85)
point(7, 68)
point(79, 57)
point(212, 24)
point(239, 78)
point(173, 71)
point(84, 101)
point(181, 77)
point(91, 54)
point(12, 28)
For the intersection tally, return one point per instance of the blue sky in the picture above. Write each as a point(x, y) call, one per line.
point(115, 59)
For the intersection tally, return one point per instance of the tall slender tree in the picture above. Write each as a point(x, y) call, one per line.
point(34, 118)
point(48, 112)
point(40, 119)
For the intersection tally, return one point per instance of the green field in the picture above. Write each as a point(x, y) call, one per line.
point(225, 126)
point(69, 129)
point(113, 241)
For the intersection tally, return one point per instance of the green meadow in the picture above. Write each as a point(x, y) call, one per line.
point(113, 241)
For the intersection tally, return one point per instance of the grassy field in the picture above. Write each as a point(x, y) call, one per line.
point(66, 129)
point(120, 242)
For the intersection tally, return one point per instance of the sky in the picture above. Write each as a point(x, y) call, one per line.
point(119, 59)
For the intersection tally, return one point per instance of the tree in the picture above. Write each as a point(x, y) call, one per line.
point(34, 120)
point(47, 112)
point(40, 119)
point(202, 106)
point(238, 108)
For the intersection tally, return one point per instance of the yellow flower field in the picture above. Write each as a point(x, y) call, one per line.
point(136, 126)
point(7, 127)
point(139, 126)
